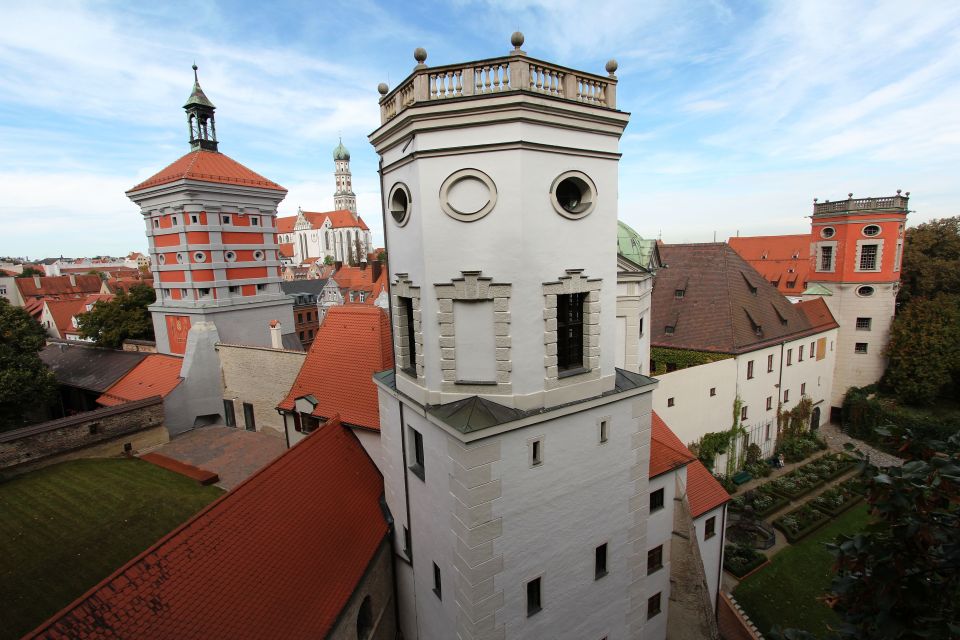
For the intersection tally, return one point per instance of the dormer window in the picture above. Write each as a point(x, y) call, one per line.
point(668, 330)
point(678, 294)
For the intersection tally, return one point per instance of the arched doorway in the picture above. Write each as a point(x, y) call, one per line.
point(815, 419)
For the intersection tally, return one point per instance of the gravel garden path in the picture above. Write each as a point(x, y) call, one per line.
point(836, 438)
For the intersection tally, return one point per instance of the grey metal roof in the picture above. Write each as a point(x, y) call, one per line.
point(303, 286)
point(87, 367)
point(291, 342)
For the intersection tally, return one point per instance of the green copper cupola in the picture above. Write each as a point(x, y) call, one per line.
point(203, 126)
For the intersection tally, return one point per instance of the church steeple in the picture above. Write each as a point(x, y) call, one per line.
point(200, 118)
point(343, 197)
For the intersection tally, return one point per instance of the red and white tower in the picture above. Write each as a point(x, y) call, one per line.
point(210, 223)
point(857, 248)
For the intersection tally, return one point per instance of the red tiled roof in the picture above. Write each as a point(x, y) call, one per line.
point(208, 166)
point(338, 219)
point(352, 344)
point(34, 308)
point(286, 249)
point(156, 375)
point(63, 312)
point(715, 301)
point(357, 279)
point(818, 313)
point(666, 451)
point(704, 492)
point(782, 260)
point(58, 286)
point(277, 557)
point(285, 224)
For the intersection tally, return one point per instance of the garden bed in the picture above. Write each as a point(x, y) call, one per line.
point(836, 500)
point(801, 522)
point(831, 465)
point(740, 560)
point(795, 484)
point(762, 501)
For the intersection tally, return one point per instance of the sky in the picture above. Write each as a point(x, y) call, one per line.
point(741, 112)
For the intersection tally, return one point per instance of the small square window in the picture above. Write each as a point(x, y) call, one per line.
point(203, 292)
point(174, 221)
point(225, 219)
point(194, 218)
point(653, 605)
point(437, 586)
point(669, 402)
point(156, 223)
point(860, 347)
point(678, 294)
point(254, 221)
point(769, 403)
point(600, 562)
point(261, 287)
point(656, 500)
point(786, 395)
point(668, 330)
point(235, 289)
point(710, 528)
point(863, 324)
point(536, 452)
point(604, 431)
point(654, 559)
point(533, 597)
point(418, 466)
point(713, 391)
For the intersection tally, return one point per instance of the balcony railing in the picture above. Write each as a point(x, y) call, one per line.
point(862, 204)
point(515, 72)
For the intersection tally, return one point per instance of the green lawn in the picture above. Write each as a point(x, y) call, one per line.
point(785, 592)
point(66, 527)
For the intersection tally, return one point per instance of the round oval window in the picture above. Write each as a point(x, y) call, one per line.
point(199, 256)
point(865, 292)
point(871, 230)
point(828, 232)
point(399, 204)
point(162, 259)
point(573, 194)
point(230, 256)
point(258, 255)
point(181, 258)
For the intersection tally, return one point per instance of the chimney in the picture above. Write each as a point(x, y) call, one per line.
point(36, 281)
point(73, 280)
point(276, 341)
point(336, 265)
point(363, 265)
point(377, 270)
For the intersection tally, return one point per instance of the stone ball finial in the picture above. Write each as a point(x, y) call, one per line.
point(815, 200)
point(516, 39)
point(898, 191)
point(420, 55)
point(382, 88)
point(611, 66)
point(907, 194)
point(849, 195)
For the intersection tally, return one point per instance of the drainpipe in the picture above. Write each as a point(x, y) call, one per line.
point(723, 541)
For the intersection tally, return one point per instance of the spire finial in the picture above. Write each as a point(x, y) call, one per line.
point(195, 79)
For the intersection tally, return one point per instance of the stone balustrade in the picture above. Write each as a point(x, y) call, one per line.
point(512, 73)
point(862, 204)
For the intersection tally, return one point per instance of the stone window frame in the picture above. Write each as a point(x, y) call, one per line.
point(573, 282)
point(472, 286)
point(876, 240)
point(404, 288)
point(833, 244)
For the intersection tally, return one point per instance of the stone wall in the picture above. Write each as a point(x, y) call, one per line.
point(377, 584)
point(260, 376)
point(101, 433)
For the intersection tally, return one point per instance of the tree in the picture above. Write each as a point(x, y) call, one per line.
point(124, 317)
point(29, 272)
point(900, 578)
point(328, 260)
point(924, 350)
point(26, 384)
point(931, 260)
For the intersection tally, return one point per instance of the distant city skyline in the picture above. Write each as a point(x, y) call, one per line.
point(742, 113)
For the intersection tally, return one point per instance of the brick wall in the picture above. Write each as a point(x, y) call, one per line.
point(260, 376)
point(103, 432)
point(733, 623)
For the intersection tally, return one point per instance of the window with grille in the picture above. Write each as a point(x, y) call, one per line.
point(826, 258)
point(868, 257)
point(860, 347)
point(863, 324)
point(570, 331)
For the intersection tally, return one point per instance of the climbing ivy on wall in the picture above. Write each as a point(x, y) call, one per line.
point(712, 444)
point(682, 358)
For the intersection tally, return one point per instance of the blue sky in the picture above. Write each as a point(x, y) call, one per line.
point(742, 112)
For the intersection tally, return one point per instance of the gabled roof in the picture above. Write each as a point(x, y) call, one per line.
point(361, 279)
point(63, 312)
point(783, 260)
point(58, 286)
point(666, 451)
point(818, 313)
point(208, 166)
point(87, 367)
point(341, 218)
point(352, 344)
point(157, 375)
point(277, 557)
point(725, 305)
point(286, 249)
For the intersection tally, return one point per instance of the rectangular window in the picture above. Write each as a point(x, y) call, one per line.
point(656, 500)
point(826, 258)
point(248, 420)
point(653, 605)
point(254, 221)
point(302, 336)
point(654, 559)
point(194, 218)
point(899, 255)
point(235, 289)
point(570, 331)
point(769, 403)
point(409, 363)
point(813, 350)
point(533, 597)
point(407, 547)
point(868, 257)
point(669, 402)
point(769, 363)
point(416, 443)
point(713, 391)
point(864, 324)
point(800, 354)
point(803, 388)
point(603, 431)
point(156, 223)
point(786, 395)
point(766, 435)
point(309, 316)
point(437, 587)
point(789, 357)
point(228, 414)
point(600, 562)
point(678, 294)
point(750, 370)
point(204, 292)
point(261, 287)
point(743, 413)
point(641, 326)
point(225, 219)
point(860, 347)
point(536, 452)
point(173, 221)
point(299, 318)
point(710, 528)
